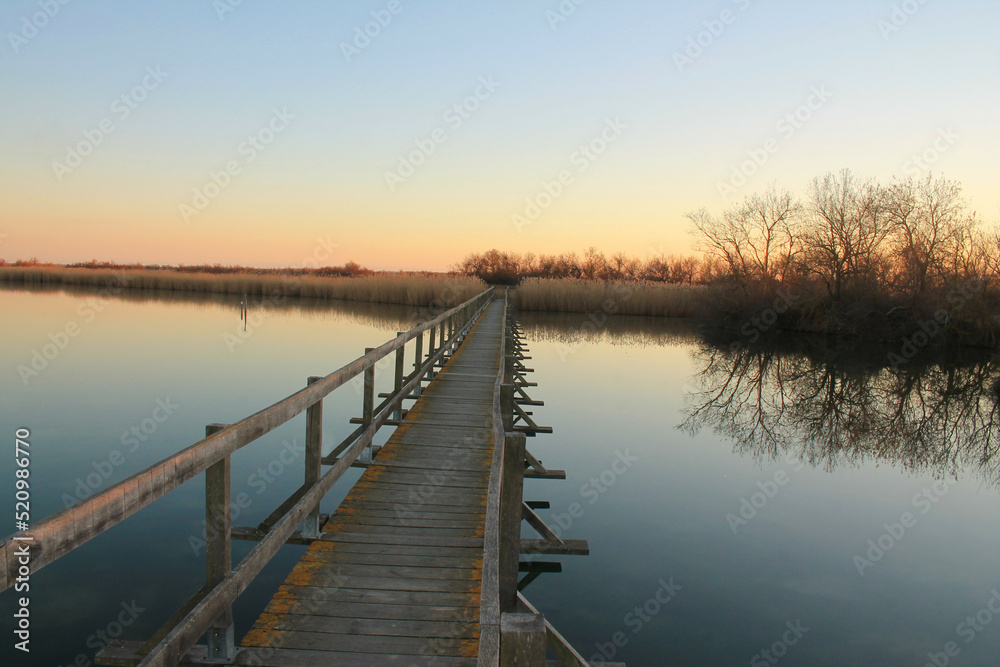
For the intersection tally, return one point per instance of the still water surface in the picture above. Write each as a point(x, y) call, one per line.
point(801, 499)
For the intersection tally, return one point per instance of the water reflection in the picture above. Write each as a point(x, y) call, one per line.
point(835, 405)
point(380, 315)
point(620, 330)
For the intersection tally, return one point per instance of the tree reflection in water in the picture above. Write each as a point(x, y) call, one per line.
point(836, 407)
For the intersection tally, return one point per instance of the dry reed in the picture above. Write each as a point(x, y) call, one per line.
point(407, 289)
point(625, 298)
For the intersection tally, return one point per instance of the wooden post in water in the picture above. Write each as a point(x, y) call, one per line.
point(511, 492)
point(218, 549)
point(418, 358)
point(507, 406)
point(314, 457)
point(522, 640)
point(368, 406)
point(430, 351)
point(397, 383)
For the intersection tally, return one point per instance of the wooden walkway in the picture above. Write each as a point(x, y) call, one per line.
point(397, 576)
point(419, 564)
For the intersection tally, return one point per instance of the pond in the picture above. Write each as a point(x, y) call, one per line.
point(799, 501)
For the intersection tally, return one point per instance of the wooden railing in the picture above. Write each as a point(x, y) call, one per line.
point(512, 632)
point(210, 610)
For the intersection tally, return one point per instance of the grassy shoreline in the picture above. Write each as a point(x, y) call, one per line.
point(966, 316)
point(405, 289)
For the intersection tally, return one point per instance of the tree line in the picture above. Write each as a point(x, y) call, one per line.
point(509, 268)
point(853, 238)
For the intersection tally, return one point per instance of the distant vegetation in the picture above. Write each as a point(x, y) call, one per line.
point(510, 268)
point(413, 289)
point(350, 269)
point(601, 298)
point(905, 259)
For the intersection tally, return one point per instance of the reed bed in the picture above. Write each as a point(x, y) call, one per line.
point(406, 289)
point(573, 295)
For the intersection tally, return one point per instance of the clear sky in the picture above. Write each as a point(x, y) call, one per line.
point(319, 125)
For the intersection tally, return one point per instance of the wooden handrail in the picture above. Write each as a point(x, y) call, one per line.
point(489, 603)
point(63, 532)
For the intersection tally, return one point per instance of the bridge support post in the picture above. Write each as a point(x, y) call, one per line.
point(507, 406)
point(431, 342)
point(511, 492)
point(522, 640)
point(397, 384)
point(314, 458)
point(368, 407)
point(418, 360)
point(218, 550)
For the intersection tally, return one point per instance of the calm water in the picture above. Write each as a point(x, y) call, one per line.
point(798, 499)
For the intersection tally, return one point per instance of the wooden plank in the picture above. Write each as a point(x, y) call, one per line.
point(385, 627)
point(567, 548)
point(316, 594)
point(395, 560)
point(401, 612)
point(121, 653)
point(408, 540)
point(381, 645)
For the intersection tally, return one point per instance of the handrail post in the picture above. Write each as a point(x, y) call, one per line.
point(418, 357)
point(314, 457)
point(218, 550)
point(368, 406)
point(511, 497)
point(397, 384)
point(430, 350)
point(507, 406)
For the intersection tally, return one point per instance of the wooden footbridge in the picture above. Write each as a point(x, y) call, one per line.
point(419, 564)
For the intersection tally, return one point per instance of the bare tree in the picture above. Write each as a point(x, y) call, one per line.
point(758, 240)
point(932, 232)
point(846, 228)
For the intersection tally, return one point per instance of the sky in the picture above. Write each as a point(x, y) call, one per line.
point(405, 135)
